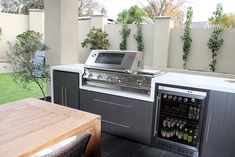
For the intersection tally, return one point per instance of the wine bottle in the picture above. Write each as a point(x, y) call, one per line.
point(190, 112)
point(190, 136)
point(177, 129)
point(163, 129)
point(185, 136)
point(168, 132)
point(181, 132)
point(172, 129)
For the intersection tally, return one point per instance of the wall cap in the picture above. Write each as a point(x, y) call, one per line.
point(163, 17)
point(36, 10)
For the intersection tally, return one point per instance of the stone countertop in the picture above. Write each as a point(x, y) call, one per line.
point(186, 80)
point(197, 81)
point(70, 68)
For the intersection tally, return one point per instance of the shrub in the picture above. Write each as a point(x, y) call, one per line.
point(96, 39)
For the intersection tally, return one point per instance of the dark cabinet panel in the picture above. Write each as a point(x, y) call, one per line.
point(121, 116)
point(219, 135)
point(66, 88)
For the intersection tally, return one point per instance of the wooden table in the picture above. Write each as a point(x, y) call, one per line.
point(29, 125)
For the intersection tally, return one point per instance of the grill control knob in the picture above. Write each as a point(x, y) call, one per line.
point(90, 75)
point(139, 82)
point(109, 78)
point(99, 77)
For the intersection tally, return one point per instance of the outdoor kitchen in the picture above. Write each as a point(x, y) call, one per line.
point(103, 78)
point(171, 111)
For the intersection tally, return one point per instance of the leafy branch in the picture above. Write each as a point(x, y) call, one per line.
point(21, 56)
point(125, 32)
point(215, 42)
point(186, 38)
point(96, 39)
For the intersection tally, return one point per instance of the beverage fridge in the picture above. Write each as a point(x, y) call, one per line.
point(179, 119)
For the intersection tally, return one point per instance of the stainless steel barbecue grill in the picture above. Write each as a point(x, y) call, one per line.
point(120, 70)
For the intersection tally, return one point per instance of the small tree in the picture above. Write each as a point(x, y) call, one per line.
point(186, 38)
point(21, 59)
point(96, 39)
point(132, 15)
point(215, 42)
point(125, 32)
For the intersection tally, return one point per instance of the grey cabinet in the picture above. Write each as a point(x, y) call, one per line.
point(121, 116)
point(66, 88)
point(219, 132)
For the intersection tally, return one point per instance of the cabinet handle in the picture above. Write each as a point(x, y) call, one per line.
point(208, 129)
point(112, 103)
point(66, 98)
point(120, 125)
point(155, 123)
point(62, 95)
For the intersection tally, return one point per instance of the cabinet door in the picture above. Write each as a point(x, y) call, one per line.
point(219, 137)
point(121, 116)
point(66, 88)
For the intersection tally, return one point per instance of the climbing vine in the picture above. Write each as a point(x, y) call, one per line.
point(125, 32)
point(215, 42)
point(186, 38)
point(139, 37)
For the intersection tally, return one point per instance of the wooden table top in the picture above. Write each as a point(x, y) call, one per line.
point(29, 125)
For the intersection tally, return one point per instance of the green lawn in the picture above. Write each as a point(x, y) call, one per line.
point(10, 91)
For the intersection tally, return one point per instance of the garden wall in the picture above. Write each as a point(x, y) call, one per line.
point(163, 46)
point(15, 24)
point(115, 39)
point(200, 55)
point(11, 25)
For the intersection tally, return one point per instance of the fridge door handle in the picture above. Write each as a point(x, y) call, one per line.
point(155, 121)
point(208, 128)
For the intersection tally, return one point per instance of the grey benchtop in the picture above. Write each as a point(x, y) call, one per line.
point(197, 81)
point(187, 80)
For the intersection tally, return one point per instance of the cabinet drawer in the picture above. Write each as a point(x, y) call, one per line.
point(120, 116)
point(122, 105)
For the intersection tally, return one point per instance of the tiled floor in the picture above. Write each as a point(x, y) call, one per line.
point(113, 146)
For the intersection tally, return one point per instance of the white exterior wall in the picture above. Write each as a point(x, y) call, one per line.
point(200, 55)
point(12, 25)
point(61, 31)
point(84, 27)
point(115, 39)
point(36, 20)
